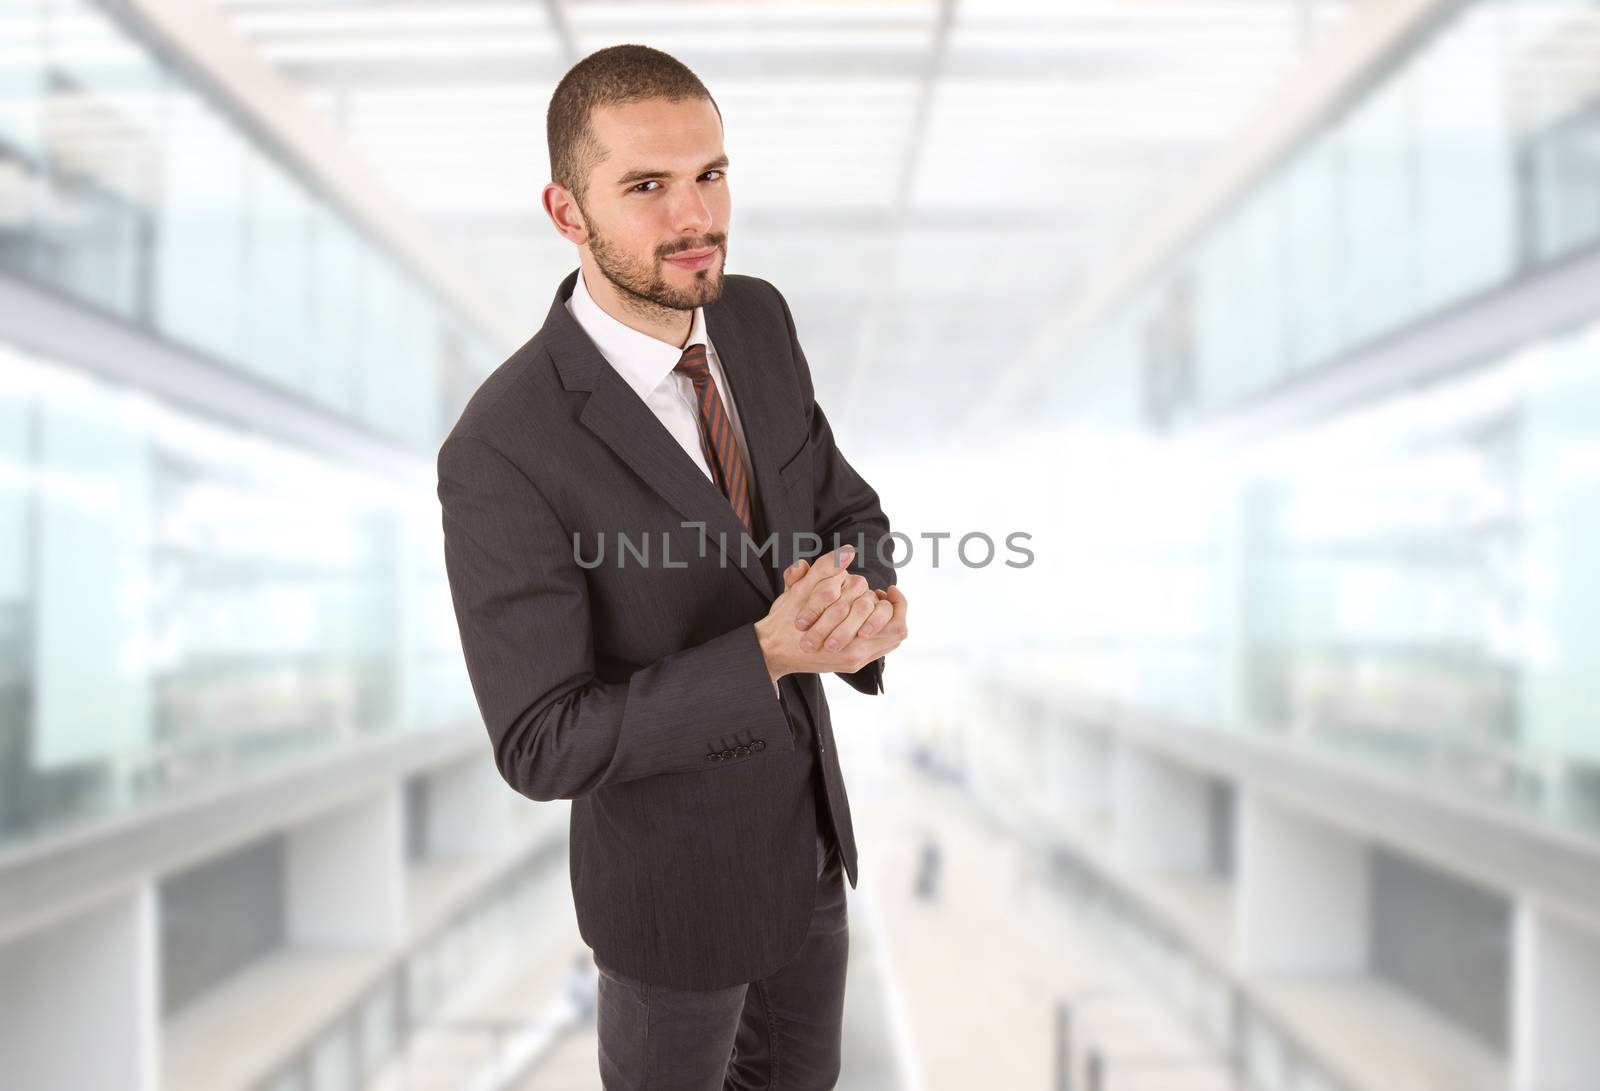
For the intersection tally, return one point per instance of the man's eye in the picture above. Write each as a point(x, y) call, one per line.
point(652, 182)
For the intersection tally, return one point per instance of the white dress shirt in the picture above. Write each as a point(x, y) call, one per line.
point(645, 364)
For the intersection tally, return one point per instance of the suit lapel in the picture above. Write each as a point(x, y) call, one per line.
point(616, 415)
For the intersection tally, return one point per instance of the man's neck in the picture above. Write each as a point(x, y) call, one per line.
point(663, 323)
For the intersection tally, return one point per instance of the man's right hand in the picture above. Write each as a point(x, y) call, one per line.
point(783, 642)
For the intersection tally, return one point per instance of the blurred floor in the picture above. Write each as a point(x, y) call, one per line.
point(980, 969)
point(520, 1005)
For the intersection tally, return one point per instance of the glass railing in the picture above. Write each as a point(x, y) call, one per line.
point(125, 188)
point(1467, 165)
point(180, 601)
point(1410, 585)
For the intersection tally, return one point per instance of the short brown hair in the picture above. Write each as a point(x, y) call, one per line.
point(614, 76)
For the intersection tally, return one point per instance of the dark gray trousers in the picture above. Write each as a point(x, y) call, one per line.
point(780, 1033)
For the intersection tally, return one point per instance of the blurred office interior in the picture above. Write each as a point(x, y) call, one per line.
point(1273, 327)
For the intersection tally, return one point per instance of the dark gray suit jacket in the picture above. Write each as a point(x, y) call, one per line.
point(638, 691)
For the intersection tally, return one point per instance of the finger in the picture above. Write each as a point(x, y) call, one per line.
point(828, 613)
point(882, 613)
point(826, 577)
point(831, 611)
point(818, 599)
point(885, 639)
point(861, 607)
point(794, 573)
point(895, 601)
point(833, 562)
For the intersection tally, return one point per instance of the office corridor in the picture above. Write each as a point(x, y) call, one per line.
point(1229, 374)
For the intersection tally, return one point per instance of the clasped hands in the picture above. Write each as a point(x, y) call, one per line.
point(829, 619)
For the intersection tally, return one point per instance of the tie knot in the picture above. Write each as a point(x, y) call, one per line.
point(693, 363)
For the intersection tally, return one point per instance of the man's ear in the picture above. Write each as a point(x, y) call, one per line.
point(564, 213)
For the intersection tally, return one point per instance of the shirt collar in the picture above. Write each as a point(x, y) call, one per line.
point(643, 361)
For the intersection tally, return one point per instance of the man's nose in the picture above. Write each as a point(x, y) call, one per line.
point(690, 213)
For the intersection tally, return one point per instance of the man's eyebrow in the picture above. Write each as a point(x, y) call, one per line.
point(635, 176)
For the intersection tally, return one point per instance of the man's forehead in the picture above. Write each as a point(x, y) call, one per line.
point(659, 131)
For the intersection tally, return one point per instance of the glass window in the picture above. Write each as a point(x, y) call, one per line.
point(276, 284)
point(92, 579)
point(1219, 265)
point(338, 272)
point(1565, 166)
point(1260, 299)
point(22, 181)
point(1466, 227)
point(98, 130)
point(199, 257)
point(1553, 85)
point(22, 68)
point(1314, 256)
point(1559, 475)
point(1378, 211)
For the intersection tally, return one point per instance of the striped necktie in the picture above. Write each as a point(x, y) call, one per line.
point(716, 433)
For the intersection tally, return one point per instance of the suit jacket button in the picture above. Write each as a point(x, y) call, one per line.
point(759, 744)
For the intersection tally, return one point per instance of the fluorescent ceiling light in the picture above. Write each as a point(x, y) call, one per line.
point(703, 43)
point(373, 19)
point(842, 13)
point(462, 48)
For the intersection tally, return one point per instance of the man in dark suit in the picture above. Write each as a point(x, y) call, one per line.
point(631, 502)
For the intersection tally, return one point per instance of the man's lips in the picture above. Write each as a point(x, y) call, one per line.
point(694, 259)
